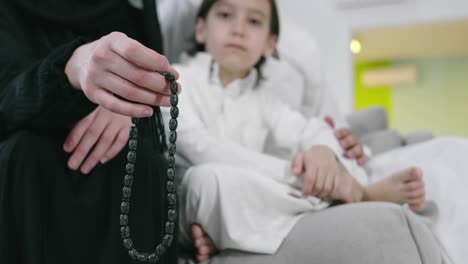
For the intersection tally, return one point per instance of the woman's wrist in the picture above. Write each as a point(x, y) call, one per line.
point(74, 65)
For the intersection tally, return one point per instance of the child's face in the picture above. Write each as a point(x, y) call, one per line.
point(237, 33)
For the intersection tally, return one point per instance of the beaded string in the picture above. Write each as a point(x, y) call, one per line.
point(170, 187)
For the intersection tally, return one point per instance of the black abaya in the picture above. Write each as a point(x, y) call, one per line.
point(49, 214)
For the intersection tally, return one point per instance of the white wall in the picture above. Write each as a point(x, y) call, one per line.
point(333, 29)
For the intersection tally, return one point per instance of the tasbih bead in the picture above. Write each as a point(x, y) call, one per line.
point(171, 215)
point(170, 161)
point(128, 180)
point(172, 136)
point(174, 99)
point(131, 156)
point(160, 249)
point(135, 120)
point(130, 168)
point(132, 144)
point(174, 88)
point(170, 226)
point(125, 232)
point(173, 124)
point(171, 174)
point(172, 149)
point(125, 207)
point(123, 219)
point(126, 192)
point(153, 258)
point(143, 257)
point(170, 186)
point(171, 199)
point(168, 76)
point(167, 240)
point(133, 132)
point(174, 112)
point(128, 243)
point(133, 253)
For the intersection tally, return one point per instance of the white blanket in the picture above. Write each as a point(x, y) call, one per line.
point(444, 161)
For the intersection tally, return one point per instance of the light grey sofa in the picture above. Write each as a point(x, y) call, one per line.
point(371, 126)
point(353, 233)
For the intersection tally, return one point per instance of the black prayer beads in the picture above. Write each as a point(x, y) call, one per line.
point(171, 196)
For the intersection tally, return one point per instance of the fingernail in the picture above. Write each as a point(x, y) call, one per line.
point(148, 112)
point(104, 160)
point(66, 146)
point(73, 164)
point(164, 64)
point(85, 169)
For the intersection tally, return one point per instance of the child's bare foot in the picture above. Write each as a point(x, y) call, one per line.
point(203, 243)
point(403, 187)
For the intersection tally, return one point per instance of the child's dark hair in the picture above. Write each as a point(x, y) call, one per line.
point(274, 30)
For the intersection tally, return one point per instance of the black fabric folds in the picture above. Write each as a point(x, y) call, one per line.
point(85, 14)
point(49, 214)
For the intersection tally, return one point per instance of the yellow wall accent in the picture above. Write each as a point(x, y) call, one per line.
point(372, 96)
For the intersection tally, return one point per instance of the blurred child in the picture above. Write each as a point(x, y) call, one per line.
point(233, 195)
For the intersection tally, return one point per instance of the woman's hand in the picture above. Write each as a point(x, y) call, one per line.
point(119, 65)
point(103, 132)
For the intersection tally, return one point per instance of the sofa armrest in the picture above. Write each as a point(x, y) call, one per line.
point(368, 120)
point(383, 140)
point(418, 137)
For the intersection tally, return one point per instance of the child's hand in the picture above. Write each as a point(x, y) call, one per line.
point(103, 131)
point(349, 142)
point(118, 65)
point(320, 170)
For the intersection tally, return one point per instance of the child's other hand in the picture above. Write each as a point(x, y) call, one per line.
point(349, 142)
point(103, 131)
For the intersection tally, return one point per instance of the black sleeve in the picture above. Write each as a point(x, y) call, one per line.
point(35, 94)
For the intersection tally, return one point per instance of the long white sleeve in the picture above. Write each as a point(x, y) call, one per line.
point(292, 130)
point(197, 146)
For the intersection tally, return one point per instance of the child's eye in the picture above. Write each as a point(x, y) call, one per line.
point(255, 22)
point(223, 14)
